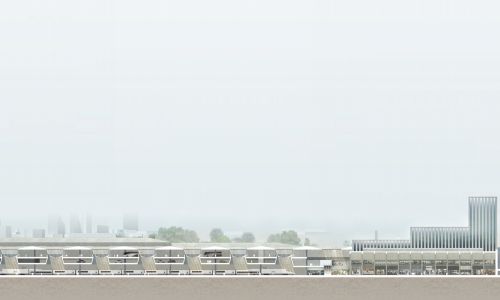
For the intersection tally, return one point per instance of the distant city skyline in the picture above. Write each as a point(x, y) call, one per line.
point(128, 222)
point(305, 115)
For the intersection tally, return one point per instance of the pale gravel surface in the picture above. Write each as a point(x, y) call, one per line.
point(289, 288)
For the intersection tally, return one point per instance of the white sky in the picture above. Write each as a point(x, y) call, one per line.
point(343, 116)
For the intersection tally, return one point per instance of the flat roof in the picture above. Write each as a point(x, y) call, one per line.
point(169, 248)
point(235, 246)
point(261, 248)
point(81, 242)
point(417, 250)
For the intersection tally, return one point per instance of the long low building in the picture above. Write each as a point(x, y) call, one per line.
point(118, 256)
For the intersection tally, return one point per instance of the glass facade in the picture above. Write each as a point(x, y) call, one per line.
point(425, 262)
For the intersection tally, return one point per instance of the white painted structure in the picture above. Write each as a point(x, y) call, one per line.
point(261, 256)
point(215, 256)
point(123, 256)
point(32, 256)
point(169, 256)
point(78, 256)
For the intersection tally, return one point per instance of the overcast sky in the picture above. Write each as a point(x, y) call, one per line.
point(338, 116)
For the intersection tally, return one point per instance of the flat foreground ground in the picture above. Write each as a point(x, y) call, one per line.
point(224, 287)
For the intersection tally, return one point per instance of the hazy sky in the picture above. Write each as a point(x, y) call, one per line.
point(342, 116)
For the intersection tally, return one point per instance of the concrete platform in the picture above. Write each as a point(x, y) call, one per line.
point(241, 288)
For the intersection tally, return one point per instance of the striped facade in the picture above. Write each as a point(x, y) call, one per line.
point(480, 234)
point(361, 245)
point(440, 237)
point(483, 223)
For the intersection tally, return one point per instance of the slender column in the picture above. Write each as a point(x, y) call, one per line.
point(386, 263)
point(447, 265)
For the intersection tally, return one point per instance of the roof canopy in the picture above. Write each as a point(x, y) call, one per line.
point(32, 248)
point(77, 248)
point(261, 248)
point(215, 248)
point(306, 248)
point(124, 248)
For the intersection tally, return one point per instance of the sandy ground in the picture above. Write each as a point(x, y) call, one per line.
point(289, 288)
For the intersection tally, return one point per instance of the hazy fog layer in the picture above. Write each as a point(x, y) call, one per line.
point(338, 116)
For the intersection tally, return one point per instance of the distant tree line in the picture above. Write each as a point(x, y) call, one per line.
point(177, 235)
point(285, 237)
point(180, 235)
point(218, 236)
